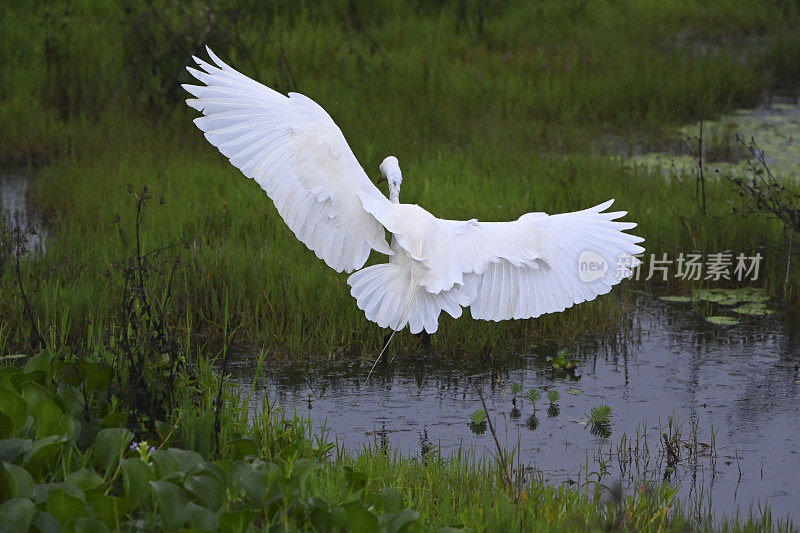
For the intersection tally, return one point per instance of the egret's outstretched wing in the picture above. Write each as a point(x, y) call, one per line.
point(544, 263)
point(298, 155)
point(534, 265)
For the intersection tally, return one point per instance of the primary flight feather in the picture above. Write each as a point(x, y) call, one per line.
point(536, 264)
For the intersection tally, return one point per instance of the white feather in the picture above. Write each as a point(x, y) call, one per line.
point(500, 270)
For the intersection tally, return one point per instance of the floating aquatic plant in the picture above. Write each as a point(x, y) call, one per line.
point(561, 363)
point(722, 320)
point(753, 308)
point(676, 299)
point(478, 416)
point(477, 421)
point(574, 391)
point(553, 396)
point(533, 397)
point(600, 421)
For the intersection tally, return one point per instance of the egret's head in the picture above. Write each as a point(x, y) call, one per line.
point(390, 171)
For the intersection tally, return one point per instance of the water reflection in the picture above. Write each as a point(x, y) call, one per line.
point(18, 213)
point(712, 409)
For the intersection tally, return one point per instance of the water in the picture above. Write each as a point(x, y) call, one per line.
point(775, 126)
point(17, 212)
point(741, 381)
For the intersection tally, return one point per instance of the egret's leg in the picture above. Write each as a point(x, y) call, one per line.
point(424, 342)
point(385, 356)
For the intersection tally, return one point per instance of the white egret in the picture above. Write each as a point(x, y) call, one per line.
point(501, 270)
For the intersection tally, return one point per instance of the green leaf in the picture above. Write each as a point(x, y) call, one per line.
point(13, 406)
point(34, 394)
point(301, 469)
point(172, 503)
point(359, 518)
point(241, 448)
point(201, 518)
point(399, 521)
point(10, 449)
point(15, 482)
point(187, 459)
point(6, 426)
point(392, 500)
point(252, 480)
point(85, 479)
point(96, 375)
point(71, 398)
point(206, 490)
point(48, 418)
point(41, 361)
point(110, 445)
point(108, 508)
point(236, 521)
point(65, 505)
point(136, 475)
point(45, 523)
point(115, 420)
point(43, 451)
point(90, 525)
point(164, 463)
point(16, 515)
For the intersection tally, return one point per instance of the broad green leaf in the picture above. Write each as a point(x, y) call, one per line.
point(399, 521)
point(88, 434)
point(301, 469)
point(115, 420)
point(206, 490)
point(172, 503)
point(6, 426)
point(110, 445)
point(241, 448)
point(45, 523)
point(41, 361)
point(236, 521)
point(71, 398)
point(108, 508)
point(213, 470)
point(90, 525)
point(85, 479)
point(165, 463)
point(16, 515)
point(186, 459)
point(201, 518)
point(48, 420)
point(392, 500)
point(43, 451)
point(96, 375)
point(136, 475)
point(12, 405)
point(245, 476)
point(15, 482)
point(359, 518)
point(64, 505)
point(10, 449)
point(34, 394)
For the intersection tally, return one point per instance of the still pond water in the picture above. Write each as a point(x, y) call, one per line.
point(731, 392)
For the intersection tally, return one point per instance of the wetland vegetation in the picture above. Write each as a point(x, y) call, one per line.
point(159, 260)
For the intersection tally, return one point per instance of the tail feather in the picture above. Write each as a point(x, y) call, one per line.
point(391, 296)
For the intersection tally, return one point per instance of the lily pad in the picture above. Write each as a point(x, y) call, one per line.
point(676, 299)
point(754, 309)
point(722, 320)
point(574, 391)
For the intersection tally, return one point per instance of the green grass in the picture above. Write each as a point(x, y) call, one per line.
point(492, 114)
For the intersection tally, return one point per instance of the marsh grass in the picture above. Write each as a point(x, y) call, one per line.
point(491, 116)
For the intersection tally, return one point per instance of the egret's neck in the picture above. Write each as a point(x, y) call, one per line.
point(394, 192)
